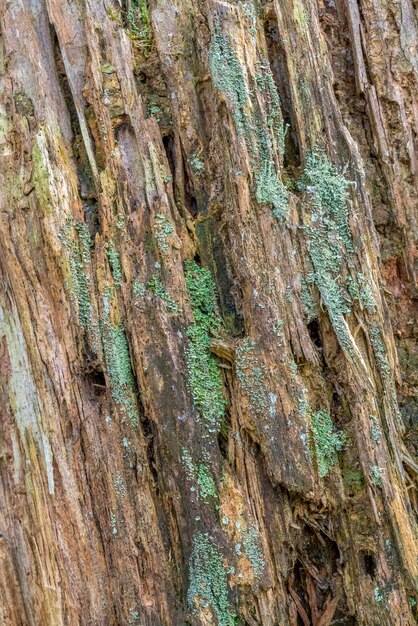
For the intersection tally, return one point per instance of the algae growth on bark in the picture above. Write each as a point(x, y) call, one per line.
point(208, 356)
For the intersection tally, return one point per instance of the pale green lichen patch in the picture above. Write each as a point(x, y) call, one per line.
point(163, 231)
point(76, 239)
point(156, 286)
point(270, 190)
point(375, 431)
point(118, 365)
point(251, 375)
point(376, 474)
point(228, 77)
point(329, 236)
point(265, 83)
point(205, 482)
point(208, 586)
point(380, 351)
point(138, 288)
point(360, 290)
point(200, 475)
point(203, 373)
point(196, 164)
point(252, 548)
point(310, 305)
point(270, 144)
point(263, 131)
point(325, 442)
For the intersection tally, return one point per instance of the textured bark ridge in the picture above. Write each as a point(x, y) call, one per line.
point(207, 312)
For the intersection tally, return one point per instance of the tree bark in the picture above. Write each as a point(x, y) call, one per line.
point(208, 312)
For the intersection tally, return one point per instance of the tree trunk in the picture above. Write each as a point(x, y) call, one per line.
point(207, 312)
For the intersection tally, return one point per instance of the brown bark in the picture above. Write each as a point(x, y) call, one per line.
point(207, 312)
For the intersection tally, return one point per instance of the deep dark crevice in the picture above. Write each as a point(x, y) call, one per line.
point(98, 382)
point(277, 60)
point(314, 333)
point(190, 200)
point(149, 433)
point(369, 564)
point(94, 375)
point(86, 184)
point(148, 430)
point(169, 146)
point(223, 435)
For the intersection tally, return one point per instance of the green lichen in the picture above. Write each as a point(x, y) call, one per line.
point(264, 133)
point(201, 475)
point(360, 290)
point(156, 286)
point(203, 373)
point(77, 241)
point(228, 77)
point(134, 617)
point(196, 164)
point(252, 547)
point(329, 236)
point(266, 85)
point(379, 595)
point(250, 13)
point(118, 365)
point(205, 482)
point(270, 138)
point(114, 260)
point(119, 485)
point(113, 524)
point(138, 288)
point(163, 230)
point(380, 351)
point(375, 431)
point(310, 306)
point(353, 479)
point(188, 464)
point(208, 586)
point(325, 443)
point(153, 110)
point(251, 375)
point(270, 190)
point(376, 474)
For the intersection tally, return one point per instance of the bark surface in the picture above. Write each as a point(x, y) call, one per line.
point(208, 358)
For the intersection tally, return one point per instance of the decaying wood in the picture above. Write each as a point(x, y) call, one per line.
point(208, 312)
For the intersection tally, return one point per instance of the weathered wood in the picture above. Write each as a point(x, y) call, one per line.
point(207, 312)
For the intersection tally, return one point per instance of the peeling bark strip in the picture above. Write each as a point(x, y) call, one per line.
point(208, 327)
